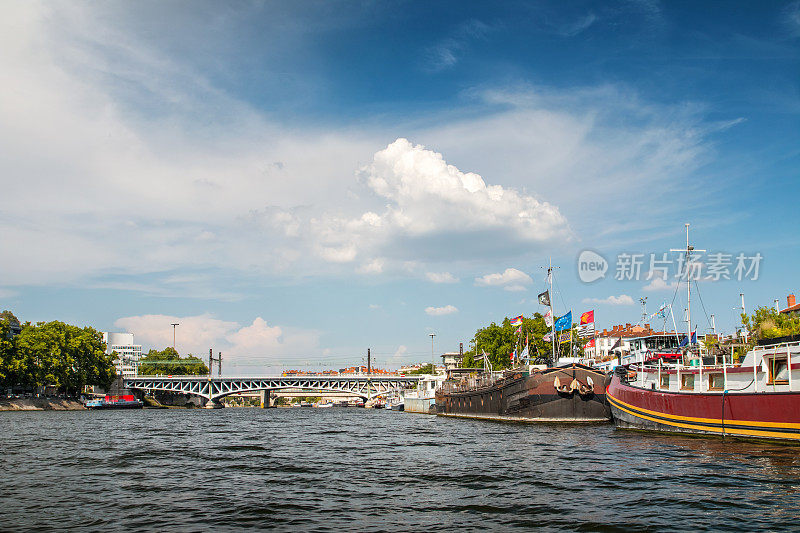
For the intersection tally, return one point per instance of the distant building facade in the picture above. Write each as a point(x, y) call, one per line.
point(128, 353)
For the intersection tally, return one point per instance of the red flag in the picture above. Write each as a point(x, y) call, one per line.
point(587, 317)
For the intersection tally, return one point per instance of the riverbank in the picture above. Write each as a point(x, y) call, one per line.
point(40, 404)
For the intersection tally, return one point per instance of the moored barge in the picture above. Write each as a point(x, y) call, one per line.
point(565, 394)
point(759, 398)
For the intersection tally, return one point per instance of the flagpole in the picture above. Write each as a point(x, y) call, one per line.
point(552, 311)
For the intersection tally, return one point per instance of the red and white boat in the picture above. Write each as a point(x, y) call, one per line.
point(760, 398)
point(757, 398)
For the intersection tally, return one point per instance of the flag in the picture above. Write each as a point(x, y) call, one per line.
point(685, 340)
point(589, 344)
point(661, 311)
point(565, 322)
point(565, 337)
point(524, 355)
point(548, 318)
point(617, 344)
point(544, 298)
point(548, 337)
point(586, 327)
point(511, 355)
point(516, 321)
point(586, 330)
point(519, 329)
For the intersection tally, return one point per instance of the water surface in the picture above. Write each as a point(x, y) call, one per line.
point(372, 470)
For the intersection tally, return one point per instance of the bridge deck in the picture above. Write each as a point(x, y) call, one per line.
point(212, 388)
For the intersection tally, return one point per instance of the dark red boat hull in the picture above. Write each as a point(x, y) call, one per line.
point(532, 398)
point(762, 415)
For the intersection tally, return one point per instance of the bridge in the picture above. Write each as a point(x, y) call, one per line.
point(214, 388)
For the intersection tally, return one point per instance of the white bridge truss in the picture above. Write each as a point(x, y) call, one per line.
point(215, 388)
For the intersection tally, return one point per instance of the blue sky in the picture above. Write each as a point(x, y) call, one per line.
point(296, 182)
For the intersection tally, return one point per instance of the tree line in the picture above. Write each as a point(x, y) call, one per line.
point(53, 353)
point(169, 362)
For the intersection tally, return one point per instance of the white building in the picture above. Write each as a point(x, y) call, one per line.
point(128, 353)
point(452, 360)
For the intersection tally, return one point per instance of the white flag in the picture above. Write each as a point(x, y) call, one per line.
point(548, 319)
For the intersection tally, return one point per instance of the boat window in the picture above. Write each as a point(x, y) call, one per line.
point(778, 372)
point(664, 381)
point(716, 382)
point(687, 382)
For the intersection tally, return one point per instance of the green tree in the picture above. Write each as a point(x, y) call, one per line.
point(169, 362)
point(424, 369)
point(61, 355)
point(767, 323)
point(500, 340)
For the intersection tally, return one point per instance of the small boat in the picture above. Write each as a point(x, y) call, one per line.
point(127, 401)
point(422, 399)
point(395, 403)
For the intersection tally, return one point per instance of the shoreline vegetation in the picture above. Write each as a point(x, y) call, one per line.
point(52, 356)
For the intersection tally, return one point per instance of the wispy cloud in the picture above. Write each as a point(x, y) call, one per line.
point(447, 52)
point(441, 277)
point(791, 18)
point(578, 26)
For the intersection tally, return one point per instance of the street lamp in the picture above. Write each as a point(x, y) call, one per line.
point(173, 334)
point(433, 361)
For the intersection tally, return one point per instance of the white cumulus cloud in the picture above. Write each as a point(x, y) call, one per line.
point(622, 299)
point(440, 311)
point(511, 280)
point(659, 284)
point(428, 195)
point(248, 344)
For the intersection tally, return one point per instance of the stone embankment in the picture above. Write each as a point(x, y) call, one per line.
point(40, 404)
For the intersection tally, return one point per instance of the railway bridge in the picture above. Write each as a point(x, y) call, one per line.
point(214, 388)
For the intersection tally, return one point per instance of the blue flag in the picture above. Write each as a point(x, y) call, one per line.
point(685, 340)
point(565, 322)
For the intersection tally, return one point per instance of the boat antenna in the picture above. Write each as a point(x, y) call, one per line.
point(688, 251)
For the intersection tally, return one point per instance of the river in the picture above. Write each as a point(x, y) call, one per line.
point(372, 470)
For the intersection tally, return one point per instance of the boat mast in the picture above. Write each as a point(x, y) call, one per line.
point(552, 313)
point(688, 251)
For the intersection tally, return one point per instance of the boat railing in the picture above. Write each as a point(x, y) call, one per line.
point(470, 383)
